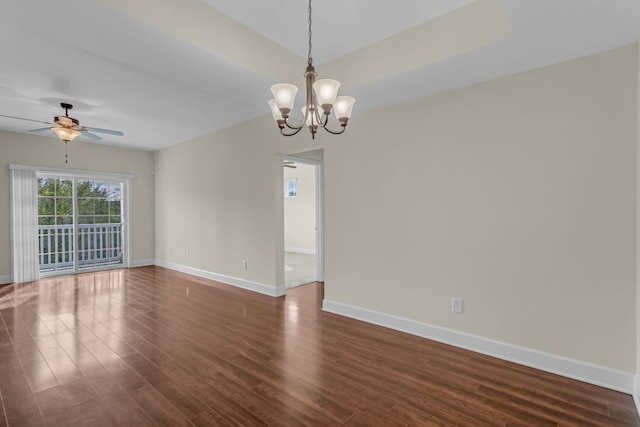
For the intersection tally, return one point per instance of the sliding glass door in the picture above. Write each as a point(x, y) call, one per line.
point(80, 224)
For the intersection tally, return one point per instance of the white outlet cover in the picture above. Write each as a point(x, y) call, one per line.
point(456, 305)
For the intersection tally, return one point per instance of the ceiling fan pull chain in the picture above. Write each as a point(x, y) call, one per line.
point(66, 157)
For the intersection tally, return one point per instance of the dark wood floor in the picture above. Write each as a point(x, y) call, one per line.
point(149, 346)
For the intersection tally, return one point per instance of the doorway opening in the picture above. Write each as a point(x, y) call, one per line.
point(303, 234)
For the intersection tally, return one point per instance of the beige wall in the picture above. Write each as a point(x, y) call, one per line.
point(315, 155)
point(42, 151)
point(220, 197)
point(517, 195)
point(300, 211)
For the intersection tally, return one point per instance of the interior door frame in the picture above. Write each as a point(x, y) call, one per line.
point(319, 184)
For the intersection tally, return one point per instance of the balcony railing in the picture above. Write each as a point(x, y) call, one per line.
point(97, 245)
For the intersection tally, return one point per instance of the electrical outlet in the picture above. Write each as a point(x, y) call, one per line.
point(187, 254)
point(456, 305)
point(244, 265)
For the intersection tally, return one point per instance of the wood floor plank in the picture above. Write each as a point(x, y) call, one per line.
point(3, 414)
point(185, 402)
point(37, 371)
point(56, 406)
point(194, 382)
point(5, 338)
point(93, 412)
point(20, 405)
point(282, 381)
point(434, 416)
point(158, 408)
point(293, 406)
point(210, 418)
point(134, 417)
point(151, 346)
point(262, 409)
point(18, 332)
point(230, 370)
point(8, 356)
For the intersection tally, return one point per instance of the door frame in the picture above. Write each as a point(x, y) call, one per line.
point(319, 184)
point(126, 209)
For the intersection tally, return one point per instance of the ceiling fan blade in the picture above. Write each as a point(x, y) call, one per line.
point(28, 120)
point(111, 132)
point(90, 135)
point(39, 130)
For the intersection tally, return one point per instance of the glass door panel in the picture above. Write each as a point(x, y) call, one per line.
point(55, 224)
point(100, 224)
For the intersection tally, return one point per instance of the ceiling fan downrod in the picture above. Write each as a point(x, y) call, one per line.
point(66, 107)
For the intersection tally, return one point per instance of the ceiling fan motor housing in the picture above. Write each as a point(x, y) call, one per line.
point(66, 121)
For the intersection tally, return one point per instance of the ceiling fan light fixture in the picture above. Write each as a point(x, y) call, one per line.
point(66, 134)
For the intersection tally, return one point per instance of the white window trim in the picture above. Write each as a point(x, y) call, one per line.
point(75, 173)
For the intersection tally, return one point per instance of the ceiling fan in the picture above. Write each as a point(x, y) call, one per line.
point(288, 164)
point(68, 128)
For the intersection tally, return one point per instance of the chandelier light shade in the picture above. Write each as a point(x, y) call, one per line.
point(321, 98)
point(343, 107)
point(326, 92)
point(284, 95)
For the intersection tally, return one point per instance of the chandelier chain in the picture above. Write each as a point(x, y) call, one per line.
point(309, 55)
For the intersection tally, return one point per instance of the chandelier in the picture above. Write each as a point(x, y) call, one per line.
point(322, 97)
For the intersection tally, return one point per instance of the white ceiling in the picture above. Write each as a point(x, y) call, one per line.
point(165, 72)
point(339, 26)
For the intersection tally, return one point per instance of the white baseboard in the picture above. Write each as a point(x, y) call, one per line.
point(636, 392)
point(571, 368)
point(229, 280)
point(5, 279)
point(142, 263)
point(300, 250)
